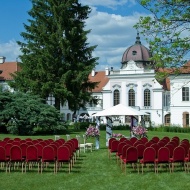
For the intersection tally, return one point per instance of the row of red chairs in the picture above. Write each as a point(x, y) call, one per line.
point(161, 152)
point(56, 152)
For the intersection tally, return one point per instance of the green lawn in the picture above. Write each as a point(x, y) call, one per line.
point(93, 170)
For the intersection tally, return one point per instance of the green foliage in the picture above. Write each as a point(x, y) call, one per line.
point(172, 128)
point(167, 31)
point(56, 57)
point(26, 114)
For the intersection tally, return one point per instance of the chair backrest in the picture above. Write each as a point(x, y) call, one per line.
point(32, 153)
point(133, 139)
point(179, 154)
point(149, 155)
point(23, 147)
point(114, 145)
point(144, 139)
point(63, 153)
point(48, 154)
point(124, 150)
point(120, 148)
point(163, 154)
point(2, 154)
point(15, 153)
point(156, 148)
point(132, 154)
point(171, 149)
point(155, 139)
point(7, 149)
point(76, 144)
point(6, 139)
point(140, 148)
point(122, 139)
point(166, 138)
point(127, 141)
point(3, 143)
point(110, 141)
point(39, 148)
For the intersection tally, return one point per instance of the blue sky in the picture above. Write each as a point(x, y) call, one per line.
point(111, 23)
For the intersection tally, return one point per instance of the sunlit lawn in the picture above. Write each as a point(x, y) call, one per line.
point(93, 170)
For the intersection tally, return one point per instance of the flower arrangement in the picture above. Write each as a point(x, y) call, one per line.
point(92, 132)
point(119, 135)
point(139, 131)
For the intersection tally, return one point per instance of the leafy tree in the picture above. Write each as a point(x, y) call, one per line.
point(57, 58)
point(167, 31)
point(25, 114)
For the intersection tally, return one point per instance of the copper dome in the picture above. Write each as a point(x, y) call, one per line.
point(136, 52)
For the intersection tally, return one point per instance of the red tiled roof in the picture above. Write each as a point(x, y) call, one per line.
point(99, 77)
point(8, 68)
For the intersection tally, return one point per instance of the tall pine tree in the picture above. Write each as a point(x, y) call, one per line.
point(56, 57)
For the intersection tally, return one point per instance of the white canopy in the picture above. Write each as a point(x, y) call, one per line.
point(120, 110)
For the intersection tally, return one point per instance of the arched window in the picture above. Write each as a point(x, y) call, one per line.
point(131, 96)
point(146, 97)
point(116, 97)
point(167, 119)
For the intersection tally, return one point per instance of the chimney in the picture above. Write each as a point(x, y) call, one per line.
point(106, 71)
point(2, 59)
point(93, 73)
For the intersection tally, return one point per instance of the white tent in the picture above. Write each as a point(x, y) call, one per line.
point(120, 110)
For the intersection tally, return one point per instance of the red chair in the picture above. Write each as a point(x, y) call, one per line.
point(15, 157)
point(149, 143)
point(7, 150)
point(39, 148)
point(187, 160)
point(123, 154)
point(109, 144)
point(156, 148)
point(144, 139)
point(6, 139)
point(23, 148)
point(133, 139)
point(131, 157)
point(171, 149)
point(76, 145)
point(48, 156)
point(122, 139)
point(113, 148)
point(149, 157)
point(32, 157)
point(178, 157)
point(63, 155)
point(156, 139)
point(119, 150)
point(140, 148)
point(166, 138)
point(163, 157)
point(3, 158)
point(3, 143)
point(17, 139)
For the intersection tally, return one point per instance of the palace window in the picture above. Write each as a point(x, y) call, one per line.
point(185, 94)
point(131, 95)
point(116, 95)
point(146, 97)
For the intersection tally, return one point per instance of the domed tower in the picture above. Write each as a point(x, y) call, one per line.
point(138, 53)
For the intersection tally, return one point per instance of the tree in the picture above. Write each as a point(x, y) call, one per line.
point(167, 31)
point(26, 114)
point(57, 58)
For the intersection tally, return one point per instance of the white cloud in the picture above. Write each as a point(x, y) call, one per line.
point(108, 3)
point(10, 50)
point(113, 34)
